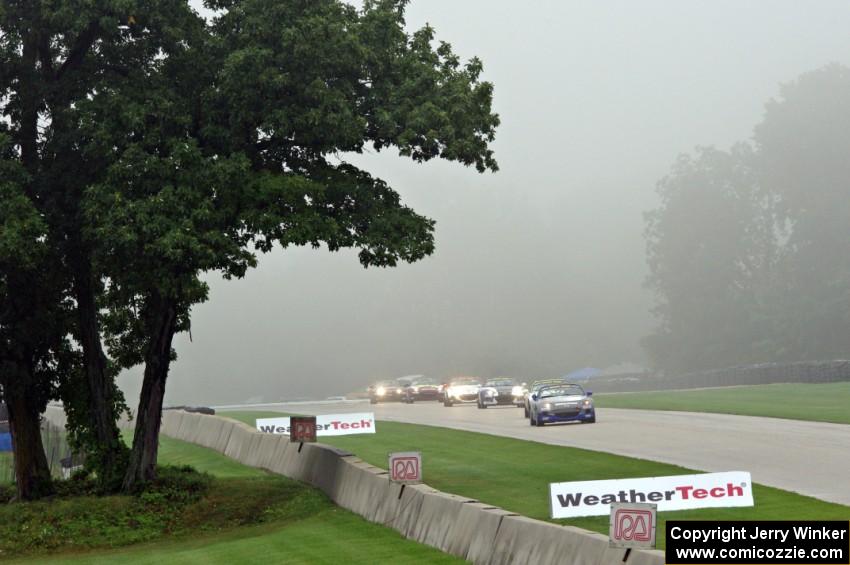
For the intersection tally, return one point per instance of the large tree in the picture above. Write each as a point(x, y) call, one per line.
point(711, 252)
point(31, 329)
point(248, 152)
point(55, 56)
point(802, 146)
point(747, 251)
point(36, 353)
point(167, 146)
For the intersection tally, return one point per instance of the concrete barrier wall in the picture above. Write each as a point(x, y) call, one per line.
point(438, 520)
point(533, 541)
point(469, 529)
point(475, 530)
point(56, 416)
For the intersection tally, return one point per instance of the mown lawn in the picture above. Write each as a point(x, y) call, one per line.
point(6, 471)
point(248, 516)
point(515, 474)
point(817, 402)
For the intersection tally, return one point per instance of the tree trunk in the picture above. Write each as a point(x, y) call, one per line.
point(102, 412)
point(32, 473)
point(142, 466)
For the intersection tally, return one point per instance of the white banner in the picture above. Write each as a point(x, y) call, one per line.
point(708, 490)
point(326, 425)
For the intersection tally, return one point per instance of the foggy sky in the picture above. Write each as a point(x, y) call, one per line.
point(538, 268)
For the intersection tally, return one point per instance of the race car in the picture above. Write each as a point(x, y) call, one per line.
point(422, 388)
point(562, 403)
point(386, 391)
point(535, 386)
point(461, 390)
point(501, 391)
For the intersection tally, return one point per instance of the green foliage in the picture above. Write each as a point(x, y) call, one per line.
point(80, 484)
point(21, 228)
point(74, 392)
point(305, 528)
point(241, 515)
point(147, 146)
point(175, 485)
point(7, 493)
point(35, 349)
point(225, 145)
point(76, 519)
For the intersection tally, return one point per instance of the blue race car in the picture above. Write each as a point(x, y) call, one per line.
point(561, 403)
point(535, 386)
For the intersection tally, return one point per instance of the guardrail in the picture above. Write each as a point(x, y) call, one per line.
point(467, 528)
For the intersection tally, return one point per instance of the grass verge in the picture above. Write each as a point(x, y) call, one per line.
point(515, 474)
point(246, 516)
point(815, 402)
point(6, 470)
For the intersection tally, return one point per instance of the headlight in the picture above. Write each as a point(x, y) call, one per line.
point(398, 391)
point(588, 403)
point(516, 391)
point(547, 406)
point(415, 389)
point(381, 391)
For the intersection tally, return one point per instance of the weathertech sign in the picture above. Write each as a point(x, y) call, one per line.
point(708, 490)
point(406, 467)
point(326, 425)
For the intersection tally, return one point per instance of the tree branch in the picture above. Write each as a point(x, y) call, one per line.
point(44, 55)
point(78, 52)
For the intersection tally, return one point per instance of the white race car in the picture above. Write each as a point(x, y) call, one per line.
point(461, 390)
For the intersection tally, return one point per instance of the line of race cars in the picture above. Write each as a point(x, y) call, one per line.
point(543, 402)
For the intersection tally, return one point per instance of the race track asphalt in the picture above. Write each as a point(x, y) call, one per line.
point(810, 458)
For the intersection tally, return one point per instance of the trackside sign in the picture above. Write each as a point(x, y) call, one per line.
point(708, 490)
point(632, 525)
point(406, 467)
point(326, 425)
point(302, 429)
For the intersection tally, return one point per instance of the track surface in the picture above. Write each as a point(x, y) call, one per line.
point(811, 458)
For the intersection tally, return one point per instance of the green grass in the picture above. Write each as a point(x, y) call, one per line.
point(332, 536)
point(6, 471)
point(176, 452)
point(248, 516)
point(515, 474)
point(815, 402)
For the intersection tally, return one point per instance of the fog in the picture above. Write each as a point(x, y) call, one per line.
point(538, 268)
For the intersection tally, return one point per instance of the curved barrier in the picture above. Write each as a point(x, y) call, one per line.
point(475, 531)
point(466, 528)
point(469, 529)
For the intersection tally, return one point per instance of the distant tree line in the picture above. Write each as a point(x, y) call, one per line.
point(142, 146)
point(749, 250)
